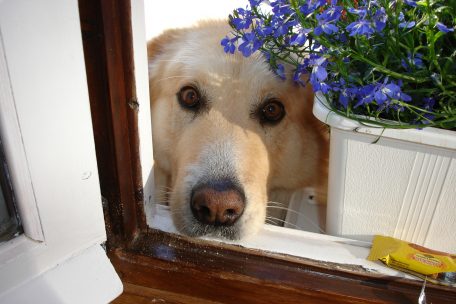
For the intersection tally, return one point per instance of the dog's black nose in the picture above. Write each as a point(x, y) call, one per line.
point(218, 204)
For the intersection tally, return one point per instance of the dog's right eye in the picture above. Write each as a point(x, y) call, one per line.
point(189, 98)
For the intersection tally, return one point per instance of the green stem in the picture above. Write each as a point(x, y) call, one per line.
point(388, 71)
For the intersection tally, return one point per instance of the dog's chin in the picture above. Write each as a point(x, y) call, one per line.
point(188, 225)
point(196, 229)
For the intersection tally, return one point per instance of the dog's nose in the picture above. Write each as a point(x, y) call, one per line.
point(218, 204)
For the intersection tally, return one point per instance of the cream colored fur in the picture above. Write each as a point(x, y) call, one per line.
point(225, 140)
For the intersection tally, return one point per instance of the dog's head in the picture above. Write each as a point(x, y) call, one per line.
point(227, 131)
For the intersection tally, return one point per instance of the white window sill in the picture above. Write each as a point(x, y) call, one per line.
point(318, 247)
point(85, 278)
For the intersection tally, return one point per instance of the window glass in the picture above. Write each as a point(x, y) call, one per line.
point(9, 219)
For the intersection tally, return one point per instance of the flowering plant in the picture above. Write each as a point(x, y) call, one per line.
point(381, 62)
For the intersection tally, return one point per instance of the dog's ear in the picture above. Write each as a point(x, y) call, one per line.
point(160, 44)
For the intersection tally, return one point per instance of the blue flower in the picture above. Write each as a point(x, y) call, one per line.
point(281, 29)
point(310, 6)
point(331, 14)
point(281, 8)
point(404, 23)
point(299, 72)
point(380, 19)
point(407, 24)
point(244, 19)
point(443, 28)
point(429, 103)
point(280, 71)
point(366, 95)
point(428, 118)
point(411, 3)
point(321, 86)
point(344, 98)
point(346, 93)
point(301, 37)
point(319, 68)
point(228, 44)
point(318, 74)
point(261, 30)
point(249, 45)
point(267, 55)
point(404, 97)
point(255, 3)
point(416, 61)
point(386, 92)
point(361, 12)
point(360, 27)
point(242, 23)
point(325, 26)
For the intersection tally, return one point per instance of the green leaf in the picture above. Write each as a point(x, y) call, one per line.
point(438, 35)
point(422, 3)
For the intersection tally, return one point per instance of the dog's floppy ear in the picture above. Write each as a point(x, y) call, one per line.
point(160, 50)
point(160, 44)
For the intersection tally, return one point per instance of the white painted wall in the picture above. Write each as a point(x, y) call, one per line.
point(48, 95)
point(161, 15)
point(91, 282)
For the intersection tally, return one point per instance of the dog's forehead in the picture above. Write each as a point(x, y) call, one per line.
point(242, 83)
point(200, 51)
point(219, 67)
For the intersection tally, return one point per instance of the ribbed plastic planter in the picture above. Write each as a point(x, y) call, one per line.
point(400, 183)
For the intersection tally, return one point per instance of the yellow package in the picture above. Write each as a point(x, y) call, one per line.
point(437, 267)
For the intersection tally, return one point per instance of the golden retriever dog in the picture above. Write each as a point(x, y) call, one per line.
point(228, 133)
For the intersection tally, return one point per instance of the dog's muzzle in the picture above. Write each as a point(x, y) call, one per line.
point(219, 203)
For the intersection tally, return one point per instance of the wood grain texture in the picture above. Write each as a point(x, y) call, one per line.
point(231, 274)
point(144, 295)
point(107, 40)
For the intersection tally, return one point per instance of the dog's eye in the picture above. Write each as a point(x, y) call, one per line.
point(272, 111)
point(189, 97)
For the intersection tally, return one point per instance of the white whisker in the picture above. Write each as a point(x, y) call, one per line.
point(311, 222)
point(285, 222)
point(275, 203)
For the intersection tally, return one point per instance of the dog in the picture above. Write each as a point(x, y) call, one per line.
point(228, 133)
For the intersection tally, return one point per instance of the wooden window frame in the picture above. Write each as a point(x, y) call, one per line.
point(178, 264)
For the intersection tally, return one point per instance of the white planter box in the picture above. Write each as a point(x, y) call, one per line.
point(403, 186)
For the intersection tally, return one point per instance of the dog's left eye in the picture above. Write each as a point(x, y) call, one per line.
point(272, 111)
point(189, 97)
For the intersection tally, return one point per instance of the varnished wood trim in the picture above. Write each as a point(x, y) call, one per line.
point(144, 295)
point(116, 18)
point(232, 274)
point(108, 49)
